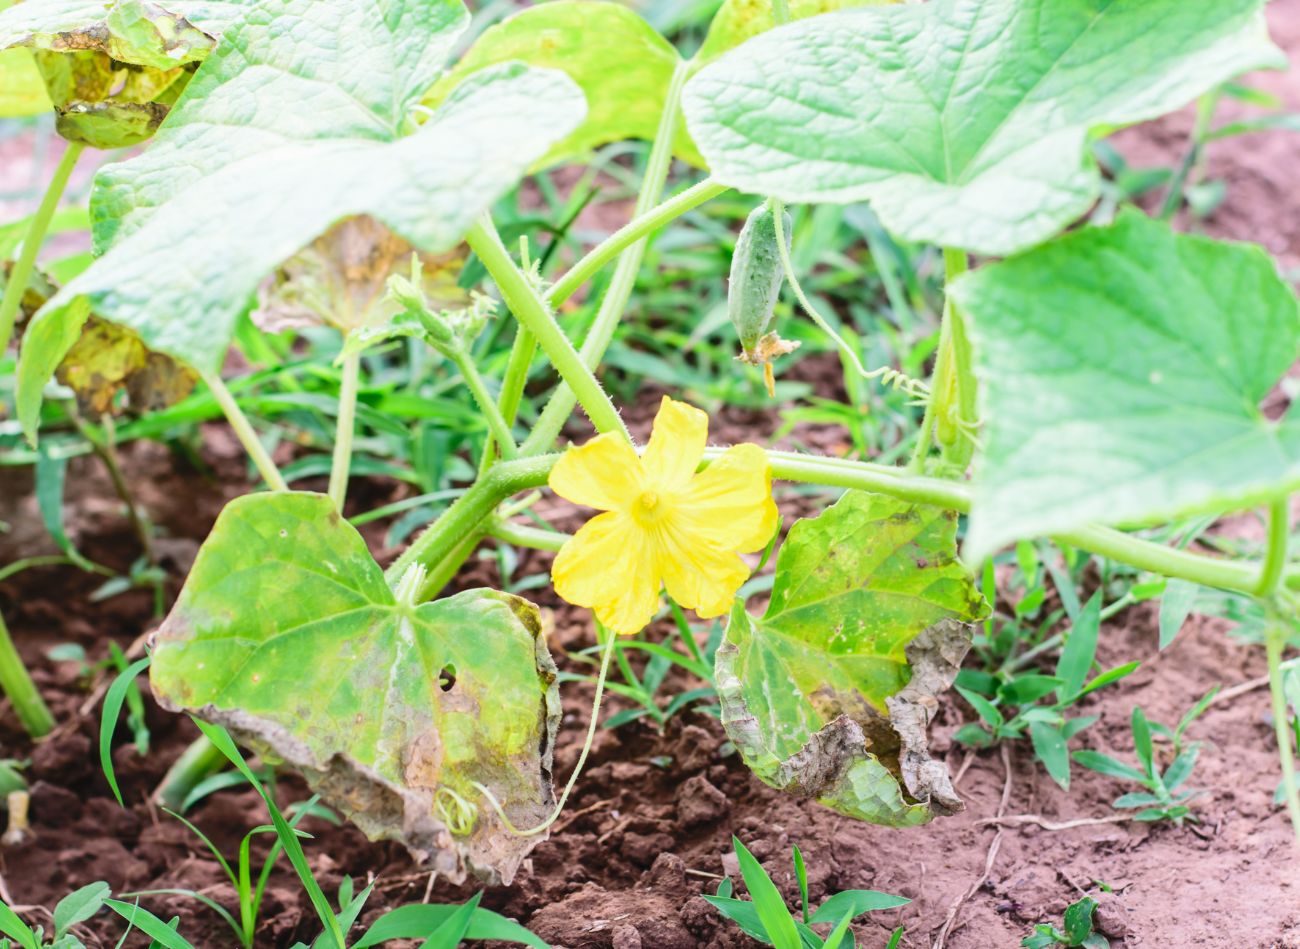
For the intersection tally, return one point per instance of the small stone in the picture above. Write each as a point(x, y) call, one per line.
point(699, 802)
point(626, 937)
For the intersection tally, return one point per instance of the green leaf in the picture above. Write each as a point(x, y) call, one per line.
point(1142, 741)
point(1080, 649)
point(740, 20)
point(988, 712)
point(1025, 689)
point(624, 68)
point(1078, 920)
point(15, 928)
point(112, 69)
point(78, 906)
point(389, 709)
point(149, 924)
point(1121, 373)
point(768, 902)
point(827, 694)
point(1049, 746)
point(454, 929)
point(295, 123)
point(1105, 764)
point(418, 920)
point(855, 902)
point(112, 711)
point(964, 122)
point(1175, 606)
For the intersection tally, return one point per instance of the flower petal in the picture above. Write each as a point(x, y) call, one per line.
point(676, 445)
point(729, 504)
point(605, 473)
point(609, 567)
point(701, 577)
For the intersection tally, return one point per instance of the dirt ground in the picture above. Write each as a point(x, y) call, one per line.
point(651, 819)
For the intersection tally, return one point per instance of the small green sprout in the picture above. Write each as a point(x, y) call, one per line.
point(1162, 798)
point(73, 909)
point(1078, 930)
point(769, 920)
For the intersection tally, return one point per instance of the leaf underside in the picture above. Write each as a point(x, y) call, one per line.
point(964, 122)
point(1122, 370)
point(287, 634)
point(269, 147)
point(830, 693)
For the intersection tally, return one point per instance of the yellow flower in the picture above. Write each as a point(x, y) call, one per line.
point(664, 524)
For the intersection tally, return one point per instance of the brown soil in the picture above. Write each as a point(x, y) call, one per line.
point(649, 826)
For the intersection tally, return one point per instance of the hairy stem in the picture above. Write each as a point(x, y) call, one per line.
point(533, 313)
point(498, 428)
point(345, 429)
point(40, 224)
point(632, 232)
point(522, 351)
point(1275, 642)
point(17, 684)
point(244, 432)
point(523, 536)
point(560, 407)
point(950, 414)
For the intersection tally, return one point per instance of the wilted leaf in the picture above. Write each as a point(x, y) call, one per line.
point(287, 634)
point(830, 694)
point(1121, 371)
point(622, 65)
point(108, 359)
point(112, 69)
point(341, 280)
point(296, 123)
point(964, 122)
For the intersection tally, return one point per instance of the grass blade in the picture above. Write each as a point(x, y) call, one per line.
point(113, 700)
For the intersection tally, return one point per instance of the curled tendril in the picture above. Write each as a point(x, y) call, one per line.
point(459, 814)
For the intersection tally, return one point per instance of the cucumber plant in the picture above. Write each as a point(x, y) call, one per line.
point(1086, 386)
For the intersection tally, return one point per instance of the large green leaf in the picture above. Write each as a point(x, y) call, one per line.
point(964, 122)
point(622, 65)
point(295, 122)
point(111, 68)
point(831, 692)
point(22, 92)
point(287, 634)
point(1121, 371)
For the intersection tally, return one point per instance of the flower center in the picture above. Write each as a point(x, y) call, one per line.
point(649, 508)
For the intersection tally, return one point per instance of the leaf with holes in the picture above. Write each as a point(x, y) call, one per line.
point(964, 122)
point(1122, 370)
point(112, 69)
point(829, 694)
point(287, 634)
point(297, 121)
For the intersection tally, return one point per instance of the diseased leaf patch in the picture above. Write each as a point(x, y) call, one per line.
point(831, 692)
point(113, 69)
point(395, 710)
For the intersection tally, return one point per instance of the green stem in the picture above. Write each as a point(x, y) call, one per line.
point(1279, 533)
point(533, 314)
point(244, 432)
point(345, 429)
point(523, 536)
point(200, 760)
point(950, 414)
point(1276, 640)
point(1205, 108)
point(498, 428)
point(17, 683)
point(560, 407)
point(35, 237)
point(512, 388)
point(639, 227)
point(466, 515)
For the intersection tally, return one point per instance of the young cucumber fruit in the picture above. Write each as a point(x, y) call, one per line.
point(756, 278)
